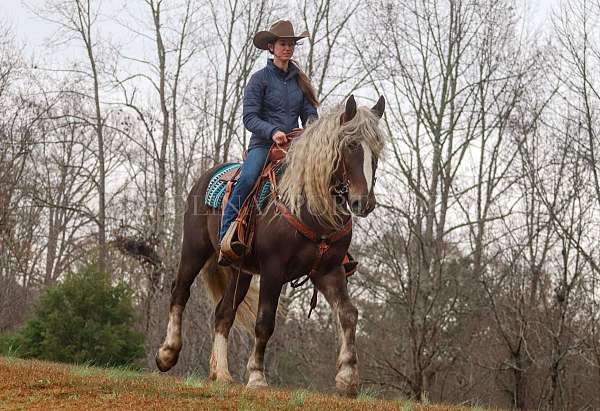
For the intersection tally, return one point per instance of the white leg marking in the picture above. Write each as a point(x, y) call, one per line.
point(367, 165)
point(347, 376)
point(256, 377)
point(169, 351)
point(173, 338)
point(220, 352)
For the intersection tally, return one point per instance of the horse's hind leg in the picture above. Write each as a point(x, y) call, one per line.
point(224, 316)
point(333, 285)
point(190, 264)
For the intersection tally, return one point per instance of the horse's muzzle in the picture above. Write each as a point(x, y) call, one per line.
point(360, 208)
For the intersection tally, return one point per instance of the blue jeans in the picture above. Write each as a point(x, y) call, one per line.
point(251, 169)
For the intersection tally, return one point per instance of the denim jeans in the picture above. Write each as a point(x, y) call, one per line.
point(251, 168)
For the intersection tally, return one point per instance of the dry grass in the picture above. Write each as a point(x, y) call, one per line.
point(38, 385)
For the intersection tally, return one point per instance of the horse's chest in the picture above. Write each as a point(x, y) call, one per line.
point(295, 254)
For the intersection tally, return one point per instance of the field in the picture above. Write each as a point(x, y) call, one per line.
point(37, 385)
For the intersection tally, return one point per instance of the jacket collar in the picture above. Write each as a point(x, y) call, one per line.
point(290, 73)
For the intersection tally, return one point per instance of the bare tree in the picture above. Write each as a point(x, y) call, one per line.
point(329, 60)
point(77, 20)
point(455, 73)
point(18, 219)
point(232, 60)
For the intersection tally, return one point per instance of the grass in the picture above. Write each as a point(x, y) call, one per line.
point(125, 373)
point(404, 405)
point(119, 372)
point(39, 385)
point(194, 380)
point(12, 353)
point(85, 370)
point(367, 394)
point(298, 398)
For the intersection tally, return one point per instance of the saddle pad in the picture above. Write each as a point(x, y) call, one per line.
point(216, 188)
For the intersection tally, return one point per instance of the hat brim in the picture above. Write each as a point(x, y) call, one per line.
point(263, 38)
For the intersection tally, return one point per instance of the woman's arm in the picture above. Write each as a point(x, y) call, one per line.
point(253, 99)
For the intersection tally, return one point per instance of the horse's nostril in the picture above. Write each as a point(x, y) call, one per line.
point(355, 206)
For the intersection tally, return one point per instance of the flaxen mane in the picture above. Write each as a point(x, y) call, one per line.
point(313, 158)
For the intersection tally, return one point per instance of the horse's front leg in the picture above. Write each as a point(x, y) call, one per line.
point(224, 317)
point(270, 288)
point(333, 286)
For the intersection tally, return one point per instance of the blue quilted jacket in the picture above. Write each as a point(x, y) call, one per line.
point(274, 101)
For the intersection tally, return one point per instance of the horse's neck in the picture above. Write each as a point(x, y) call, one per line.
point(311, 221)
point(306, 217)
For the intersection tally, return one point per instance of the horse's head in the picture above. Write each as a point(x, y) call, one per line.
point(337, 155)
point(359, 158)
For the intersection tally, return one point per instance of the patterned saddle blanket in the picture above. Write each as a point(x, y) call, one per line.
point(216, 187)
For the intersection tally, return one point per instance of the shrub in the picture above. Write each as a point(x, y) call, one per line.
point(85, 319)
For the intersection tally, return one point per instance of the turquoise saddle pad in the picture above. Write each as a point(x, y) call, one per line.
point(216, 187)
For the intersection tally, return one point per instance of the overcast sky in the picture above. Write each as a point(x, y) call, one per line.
point(33, 32)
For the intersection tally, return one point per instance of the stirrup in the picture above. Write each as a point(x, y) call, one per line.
point(222, 260)
point(232, 250)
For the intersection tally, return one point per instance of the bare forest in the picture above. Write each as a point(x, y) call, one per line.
point(479, 275)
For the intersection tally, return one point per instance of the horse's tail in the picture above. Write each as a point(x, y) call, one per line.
point(217, 278)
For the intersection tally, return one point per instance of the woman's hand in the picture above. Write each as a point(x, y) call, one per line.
point(279, 138)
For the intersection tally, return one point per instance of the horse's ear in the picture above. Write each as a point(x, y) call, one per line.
point(350, 111)
point(379, 108)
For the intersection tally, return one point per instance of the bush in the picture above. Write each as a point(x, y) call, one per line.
point(83, 320)
point(10, 344)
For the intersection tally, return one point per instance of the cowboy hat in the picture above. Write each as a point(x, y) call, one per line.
point(282, 29)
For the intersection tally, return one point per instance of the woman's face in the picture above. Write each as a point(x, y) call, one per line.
point(283, 49)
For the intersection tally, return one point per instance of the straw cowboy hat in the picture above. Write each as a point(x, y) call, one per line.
point(282, 29)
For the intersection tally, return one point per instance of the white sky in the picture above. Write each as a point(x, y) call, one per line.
point(33, 32)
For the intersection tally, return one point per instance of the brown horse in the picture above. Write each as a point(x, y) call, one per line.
point(329, 175)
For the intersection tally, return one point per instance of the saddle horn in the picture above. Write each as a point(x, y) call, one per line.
point(379, 108)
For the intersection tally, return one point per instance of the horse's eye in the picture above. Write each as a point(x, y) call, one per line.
point(353, 145)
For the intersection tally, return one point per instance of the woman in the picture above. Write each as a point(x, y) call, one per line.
point(273, 100)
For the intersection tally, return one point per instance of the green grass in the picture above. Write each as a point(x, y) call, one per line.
point(217, 389)
point(367, 394)
point(119, 372)
point(405, 405)
point(298, 398)
point(123, 372)
point(85, 370)
point(194, 380)
point(12, 353)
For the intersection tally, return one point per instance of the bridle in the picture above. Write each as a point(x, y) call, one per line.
point(342, 186)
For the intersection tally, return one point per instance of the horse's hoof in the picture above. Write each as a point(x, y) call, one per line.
point(167, 360)
point(346, 390)
point(256, 381)
point(222, 378)
point(256, 385)
point(346, 383)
